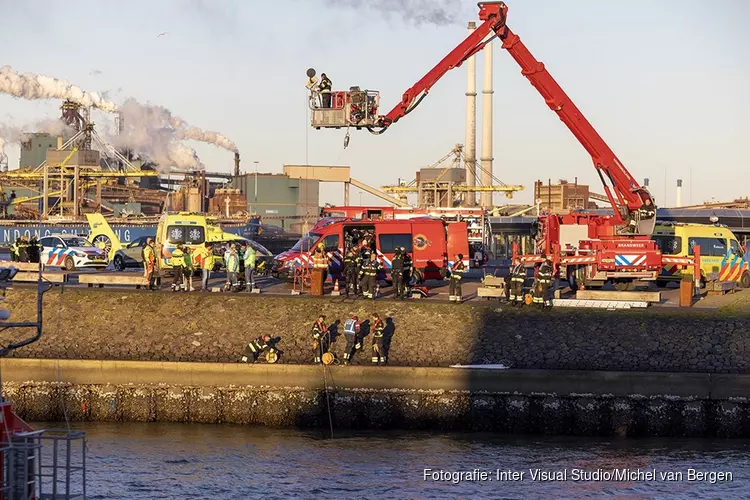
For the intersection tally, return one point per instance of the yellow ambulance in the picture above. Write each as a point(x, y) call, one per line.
point(720, 251)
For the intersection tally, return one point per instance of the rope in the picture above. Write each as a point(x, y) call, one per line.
point(328, 395)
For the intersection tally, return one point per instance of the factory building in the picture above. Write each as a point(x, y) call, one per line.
point(34, 150)
point(279, 199)
point(563, 196)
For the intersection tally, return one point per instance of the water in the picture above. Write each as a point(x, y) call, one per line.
point(179, 461)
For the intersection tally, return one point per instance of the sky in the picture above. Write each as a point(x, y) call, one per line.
point(666, 83)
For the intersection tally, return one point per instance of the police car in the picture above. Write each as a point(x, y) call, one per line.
point(70, 252)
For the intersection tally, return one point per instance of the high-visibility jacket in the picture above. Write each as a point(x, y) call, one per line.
point(458, 269)
point(233, 262)
point(148, 255)
point(351, 327)
point(319, 328)
point(207, 259)
point(371, 268)
point(518, 273)
point(188, 260)
point(545, 273)
point(378, 328)
point(249, 257)
point(178, 258)
point(320, 260)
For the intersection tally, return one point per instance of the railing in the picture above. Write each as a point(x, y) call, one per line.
point(44, 465)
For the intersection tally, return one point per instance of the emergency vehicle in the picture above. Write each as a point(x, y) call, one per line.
point(431, 243)
point(174, 228)
point(475, 218)
point(720, 251)
point(71, 252)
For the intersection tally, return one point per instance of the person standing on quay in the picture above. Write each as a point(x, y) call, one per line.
point(149, 264)
point(378, 345)
point(232, 263)
point(320, 338)
point(249, 259)
point(177, 261)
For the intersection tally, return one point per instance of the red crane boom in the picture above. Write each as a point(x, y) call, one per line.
point(623, 191)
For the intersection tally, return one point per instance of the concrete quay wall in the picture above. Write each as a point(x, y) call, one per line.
point(129, 325)
point(518, 401)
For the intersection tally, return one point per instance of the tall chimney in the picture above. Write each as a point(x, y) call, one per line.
point(486, 197)
point(678, 201)
point(236, 164)
point(470, 153)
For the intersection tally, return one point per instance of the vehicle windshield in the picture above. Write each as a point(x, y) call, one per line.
point(77, 242)
point(306, 242)
point(260, 249)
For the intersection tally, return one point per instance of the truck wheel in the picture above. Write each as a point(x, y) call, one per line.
point(118, 263)
point(624, 286)
point(69, 264)
point(662, 283)
point(745, 280)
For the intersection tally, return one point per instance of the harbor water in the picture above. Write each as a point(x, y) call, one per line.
point(179, 461)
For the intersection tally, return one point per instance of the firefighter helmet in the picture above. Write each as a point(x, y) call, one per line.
point(328, 358)
point(272, 357)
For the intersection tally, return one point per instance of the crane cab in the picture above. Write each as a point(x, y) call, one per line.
point(349, 108)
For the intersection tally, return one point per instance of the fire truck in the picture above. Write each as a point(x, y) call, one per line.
point(431, 243)
point(588, 248)
point(475, 218)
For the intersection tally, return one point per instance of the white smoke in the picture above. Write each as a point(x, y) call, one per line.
point(31, 86)
point(215, 138)
point(148, 131)
point(151, 131)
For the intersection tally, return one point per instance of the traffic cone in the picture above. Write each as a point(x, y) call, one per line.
point(336, 288)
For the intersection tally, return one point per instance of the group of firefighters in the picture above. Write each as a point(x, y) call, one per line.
point(322, 339)
point(514, 283)
point(361, 268)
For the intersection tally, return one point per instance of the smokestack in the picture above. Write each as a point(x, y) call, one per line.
point(486, 197)
point(236, 164)
point(471, 124)
point(678, 201)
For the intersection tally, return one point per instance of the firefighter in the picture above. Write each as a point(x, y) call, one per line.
point(149, 264)
point(320, 260)
point(459, 268)
point(397, 274)
point(255, 348)
point(350, 271)
point(517, 278)
point(353, 342)
point(177, 261)
point(378, 351)
point(542, 283)
point(324, 87)
point(370, 271)
point(645, 212)
point(406, 281)
point(320, 338)
point(360, 263)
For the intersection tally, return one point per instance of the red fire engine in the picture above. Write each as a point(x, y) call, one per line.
point(431, 243)
point(592, 248)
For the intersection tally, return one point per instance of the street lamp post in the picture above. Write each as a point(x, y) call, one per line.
point(255, 200)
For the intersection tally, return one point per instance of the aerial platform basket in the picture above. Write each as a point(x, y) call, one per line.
point(353, 108)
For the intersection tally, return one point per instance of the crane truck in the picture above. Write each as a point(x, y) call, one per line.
point(588, 248)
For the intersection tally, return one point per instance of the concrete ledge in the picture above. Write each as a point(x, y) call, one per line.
point(32, 276)
point(615, 295)
point(132, 279)
point(525, 382)
point(21, 266)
